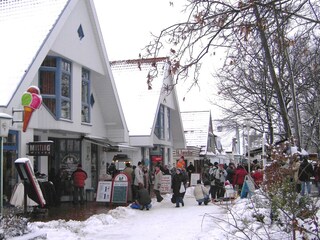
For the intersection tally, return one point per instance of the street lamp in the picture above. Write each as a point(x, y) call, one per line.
point(5, 122)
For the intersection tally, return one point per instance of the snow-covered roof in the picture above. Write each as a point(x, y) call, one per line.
point(196, 126)
point(20, 27)
point(139, 104)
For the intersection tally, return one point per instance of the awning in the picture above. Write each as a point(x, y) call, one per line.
point(109, 145)
point(104, 142)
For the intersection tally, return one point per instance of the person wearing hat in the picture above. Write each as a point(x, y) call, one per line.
point(79, 177)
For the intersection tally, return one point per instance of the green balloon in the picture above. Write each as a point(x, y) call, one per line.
point(26, 99)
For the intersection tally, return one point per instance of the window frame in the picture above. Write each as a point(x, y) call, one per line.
point(87, 102)
point(58, 97)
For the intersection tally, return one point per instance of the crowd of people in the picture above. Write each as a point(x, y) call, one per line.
point(212, 183)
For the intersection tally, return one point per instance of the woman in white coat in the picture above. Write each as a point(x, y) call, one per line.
point(157, 183)
point(201, 193)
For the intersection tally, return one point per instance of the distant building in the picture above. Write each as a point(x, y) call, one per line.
point(200, 140)
point(150, 108)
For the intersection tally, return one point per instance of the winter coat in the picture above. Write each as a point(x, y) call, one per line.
point(230, 174)
point(295, 169)
point(305, 171)
point(143, 197)
point(157, 180)
point(257, 177)
point(200, 191)
point(79, 177)
point(138, 176)
point(177, 179)
point(129, 171)
point(317, 173)
point(239, 176)
point(191, 169)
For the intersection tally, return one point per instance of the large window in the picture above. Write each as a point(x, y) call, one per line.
point(85, 96)
point(168, 123)
point(55, 86)
point(160, 125)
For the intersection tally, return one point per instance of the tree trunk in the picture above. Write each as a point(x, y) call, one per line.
point(277, 87)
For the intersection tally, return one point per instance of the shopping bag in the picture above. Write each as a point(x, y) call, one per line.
point(182, 188)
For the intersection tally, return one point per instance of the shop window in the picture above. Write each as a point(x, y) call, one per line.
point(55, 86)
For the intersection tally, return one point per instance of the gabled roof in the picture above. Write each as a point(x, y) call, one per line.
point(34, 29)
point(22, 34)
point(197, 125)
point(139, 103)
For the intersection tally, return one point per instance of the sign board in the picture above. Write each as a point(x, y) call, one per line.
point(25, 171)
point(120, 188)
point(44, 148)
point(194, 178)
point(104, 191)
point(165, 184)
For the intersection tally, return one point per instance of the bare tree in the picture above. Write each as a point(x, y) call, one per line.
point(212, 25)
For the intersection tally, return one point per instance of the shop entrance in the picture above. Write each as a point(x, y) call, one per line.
point(66, 157)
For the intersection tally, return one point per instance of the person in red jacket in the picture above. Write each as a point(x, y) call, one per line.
point(239, 177)
point(257, 176)
point(79, 177)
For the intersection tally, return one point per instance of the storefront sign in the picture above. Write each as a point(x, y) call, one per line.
point(120, 188)
point(104, 191)
point(40, 148)
point(194, 178)
point(165, 184)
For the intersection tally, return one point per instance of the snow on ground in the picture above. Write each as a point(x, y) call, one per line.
point(163, 221)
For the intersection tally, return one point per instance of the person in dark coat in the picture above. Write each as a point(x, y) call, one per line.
point(79, 177)
point(317, 176)
point(178, 179)
point(190, 169)
point(305, 172)
point(143, 198)
point(231, 170)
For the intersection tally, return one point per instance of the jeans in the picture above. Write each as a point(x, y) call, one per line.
point(78, 191)
point(179, 199)
point(204, 200)
point(305, 185)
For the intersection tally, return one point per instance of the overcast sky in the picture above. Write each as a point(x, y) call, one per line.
point(126, 27)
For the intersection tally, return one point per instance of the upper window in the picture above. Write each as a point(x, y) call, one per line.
point(80, 32)
point(160, 125)
point(168, 124)
point(85, 96)
point(55, 86)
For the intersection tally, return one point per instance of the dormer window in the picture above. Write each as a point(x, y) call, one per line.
point(80, 32)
